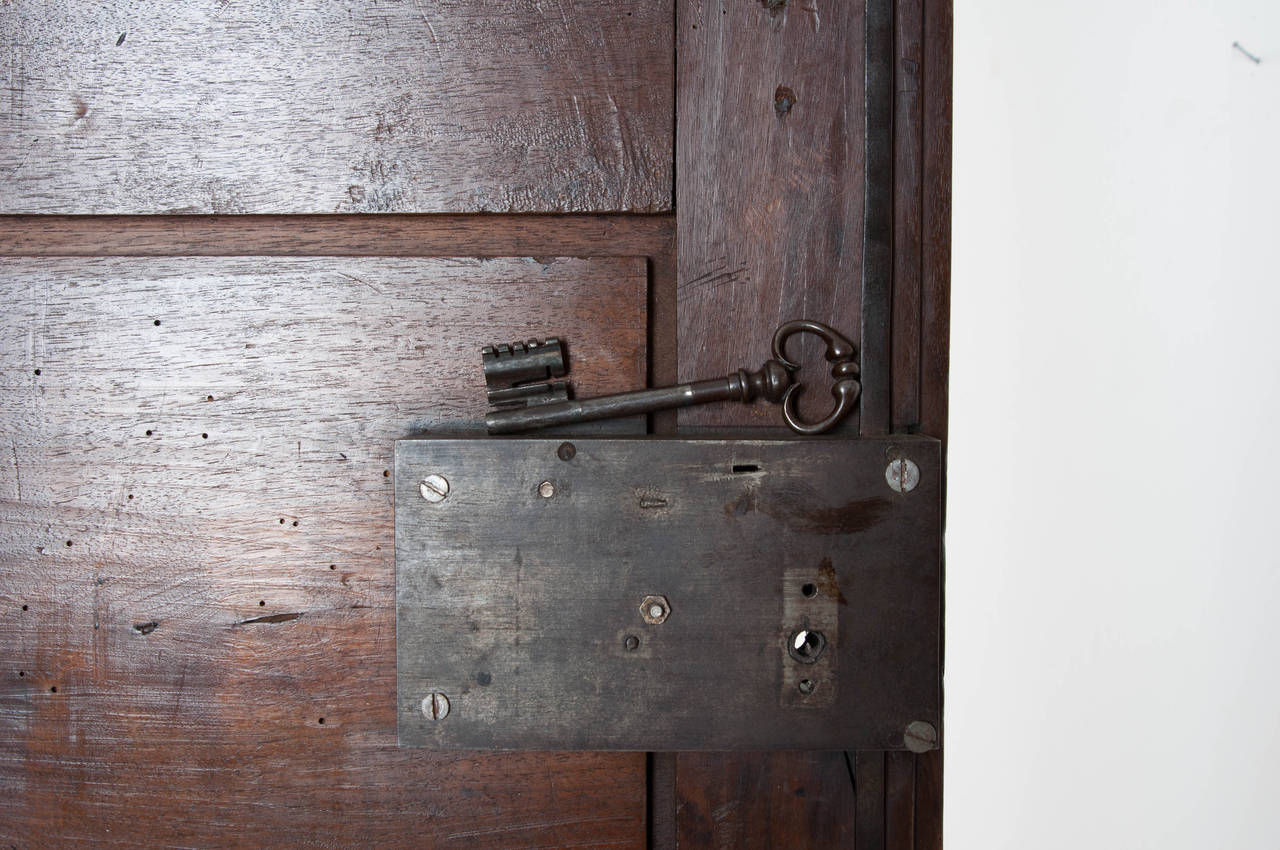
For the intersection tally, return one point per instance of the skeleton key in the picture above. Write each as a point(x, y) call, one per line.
point(523, 405)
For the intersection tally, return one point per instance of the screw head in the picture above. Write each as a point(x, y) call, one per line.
point(632, 643)
point(902, 475)
point(546, 489)
point(655, 609)
point(920, 737)
point(435, 706)
point(566, 451)
point(434, 488)
point(807, 686)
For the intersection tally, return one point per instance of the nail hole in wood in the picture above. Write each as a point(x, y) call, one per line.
point(24, 607)
point(262, 603)
point(295, 523)
point(37, 371)
point(204, 436)
point(783, 99)
point(157, 323)
point(746, 467)
point(809, 590)
point(53, 690)
point(68, 542)
point(148, 433)
point(321, 721)
point(210, 398)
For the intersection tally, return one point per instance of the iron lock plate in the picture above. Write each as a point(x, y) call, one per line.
point(667, 594)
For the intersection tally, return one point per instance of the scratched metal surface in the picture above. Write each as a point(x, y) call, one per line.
point(518, 607)
point(273, 106)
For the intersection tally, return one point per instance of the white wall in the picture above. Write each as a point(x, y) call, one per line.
point(1113, 577)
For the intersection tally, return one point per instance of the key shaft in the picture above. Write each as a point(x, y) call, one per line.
point(770, 382)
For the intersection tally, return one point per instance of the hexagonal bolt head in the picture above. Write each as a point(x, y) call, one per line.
point(655, 609)
point(435, 706)
point(902, 475)
point(920, 737)
point(434, 488)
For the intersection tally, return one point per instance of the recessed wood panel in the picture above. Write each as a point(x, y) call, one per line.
point(350, 106)
point(197, 624)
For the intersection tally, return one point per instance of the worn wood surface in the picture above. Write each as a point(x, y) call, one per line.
point(907, 243)
point(770, 190)
point(935, 330)
point(916, 312)
point(351, 106)
point(518, 604)
point(196, 574)
point(765, 800)
point(341, 235)
point(869, 801)
point(936, 219)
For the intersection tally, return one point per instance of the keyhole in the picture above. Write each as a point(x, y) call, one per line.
point(806, 645)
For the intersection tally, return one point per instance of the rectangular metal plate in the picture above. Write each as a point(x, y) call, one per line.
point(520, 597)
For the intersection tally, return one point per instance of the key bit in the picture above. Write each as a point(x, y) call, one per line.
point(519, 373)
point(529, 408)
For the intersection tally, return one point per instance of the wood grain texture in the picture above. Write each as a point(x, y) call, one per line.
point(936, 218)
point(935, 323)
point(350, 106)
point(899, 800)
point(196, 571)
point(928, 805)
point(907, 165)
point(770, 156)
point(876, 404)
point(764, 800)
point(341, 235)
point(869, 797)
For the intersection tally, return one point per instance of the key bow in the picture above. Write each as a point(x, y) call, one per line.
point(841, 354)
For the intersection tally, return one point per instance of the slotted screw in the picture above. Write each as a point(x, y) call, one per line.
point(434, 488)
point(435, 706)
point(902, 474)
point(920, 736)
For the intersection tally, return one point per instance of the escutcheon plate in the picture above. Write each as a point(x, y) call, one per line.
point(529, 596)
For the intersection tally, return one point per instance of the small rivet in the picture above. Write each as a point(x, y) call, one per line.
point(632, 643)
point(920, 737)
point(435, 706)
point(902, 475)
point(434, 488)
point(566, 451)
point(806, 686)
point(546, 489)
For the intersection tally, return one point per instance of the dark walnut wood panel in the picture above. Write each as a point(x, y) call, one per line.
point(350, 106)
point(770, 157)
point(196, 562)
point(765, 800)
point(342, 235)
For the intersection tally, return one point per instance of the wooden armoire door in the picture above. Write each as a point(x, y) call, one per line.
point(245, 246)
